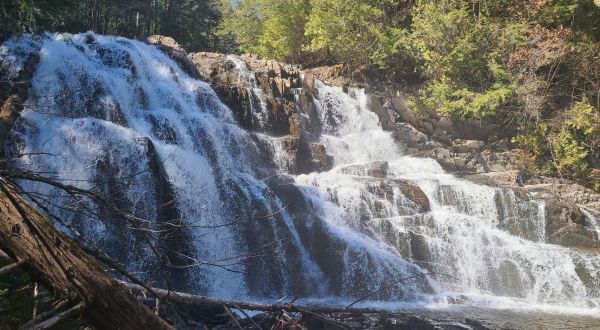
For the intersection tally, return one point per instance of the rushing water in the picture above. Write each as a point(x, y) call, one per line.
point(120, 117)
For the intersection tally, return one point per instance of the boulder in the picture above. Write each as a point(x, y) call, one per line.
point(467, 146)
point(413, 138)
point(384, 188)
point(176, 52)
point(164, 41)
point(313, 157)
point(386, 117)
point(378, 169)
point(566, 224)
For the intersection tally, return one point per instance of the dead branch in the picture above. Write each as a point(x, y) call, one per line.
point(58, 318)
point(385, 287)
point(198, 300)
point(10, 268)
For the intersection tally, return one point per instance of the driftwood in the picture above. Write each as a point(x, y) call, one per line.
point(54, 260)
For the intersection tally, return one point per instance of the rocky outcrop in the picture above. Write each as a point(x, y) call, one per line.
point(570, 209)
point(267, 96)
point(259, 92)
point(374, 175)
point(175, 51)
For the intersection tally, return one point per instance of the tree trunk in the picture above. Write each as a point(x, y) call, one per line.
point(55, 260)
point(13, 105)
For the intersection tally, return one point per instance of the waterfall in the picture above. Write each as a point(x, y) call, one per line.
point(489, 240)
point(120, 117)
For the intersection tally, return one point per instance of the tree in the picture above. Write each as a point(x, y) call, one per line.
point(270, 28)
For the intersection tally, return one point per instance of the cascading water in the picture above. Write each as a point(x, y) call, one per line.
point(118, 116)
point(490, 241)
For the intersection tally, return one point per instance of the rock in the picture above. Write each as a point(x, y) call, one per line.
point(419, 247)
point(413, 138)
point(414, 193)
point(378, 169)
point(566, 224)
point(319, 153)
point(164, 41)
point(176, 52)
point(260, 87)
point(386, 117)
point(384, 188)
point(575, 237)
point(467, 146)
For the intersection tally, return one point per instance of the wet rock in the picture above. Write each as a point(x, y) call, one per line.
point(378, 169)
point(575, 237)
point(174, 241)
point(384, 188)
point(176, 52)
point(419, 247)
point(414, 193)
point(566, 224)
point(386, 117)
point(311, 121)
point(313, 157)
point(240, 102)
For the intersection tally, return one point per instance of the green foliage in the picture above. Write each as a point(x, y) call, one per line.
point(440, 95)
point(283, 34)
point(464, 58)
point(352, 31)
point(569, 147)
point(270, 28)
point(244, 22)
point(348, 29)
point(570, 154)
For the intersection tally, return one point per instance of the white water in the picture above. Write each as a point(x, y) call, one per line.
point(247, 79)
point(92, 106)
point(487, 239)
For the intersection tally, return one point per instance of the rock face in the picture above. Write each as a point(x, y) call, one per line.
point(571, 209)
point(268, 97)
point(175, 51)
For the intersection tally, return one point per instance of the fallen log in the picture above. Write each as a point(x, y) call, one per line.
point(53, 259)
point(198, 300)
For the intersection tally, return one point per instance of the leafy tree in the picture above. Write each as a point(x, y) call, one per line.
point(270, 28)
point(349, 29)
point(464, 58)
